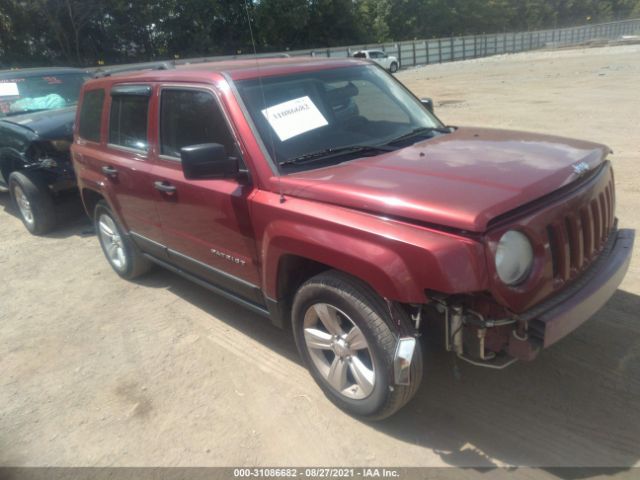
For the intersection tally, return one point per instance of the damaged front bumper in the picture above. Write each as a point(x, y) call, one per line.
point(571, 308)
point(523, 335)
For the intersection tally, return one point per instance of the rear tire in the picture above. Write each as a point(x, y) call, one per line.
point(31, 197)
point(351, 359)
point(393, 68)
point(123, 255)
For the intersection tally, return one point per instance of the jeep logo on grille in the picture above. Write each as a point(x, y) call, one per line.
point(580, 168)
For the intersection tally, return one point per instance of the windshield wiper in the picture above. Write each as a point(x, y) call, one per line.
point(336, 152)
point(420, 131)
point(23, 112)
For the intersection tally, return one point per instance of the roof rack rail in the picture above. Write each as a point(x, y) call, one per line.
point(169, 65)
point(107, 72)
point(261, 56)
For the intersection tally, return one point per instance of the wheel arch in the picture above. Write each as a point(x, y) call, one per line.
point(10, 161)
point(292, 271)
point(289, 262)
point(90, 199)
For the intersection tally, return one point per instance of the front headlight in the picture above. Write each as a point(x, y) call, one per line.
point(514, 257)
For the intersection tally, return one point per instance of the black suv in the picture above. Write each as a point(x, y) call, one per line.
point(37, 111)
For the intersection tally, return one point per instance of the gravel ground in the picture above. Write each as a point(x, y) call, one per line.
point(95, 371)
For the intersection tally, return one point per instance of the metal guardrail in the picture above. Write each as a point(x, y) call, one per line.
point(448, 49)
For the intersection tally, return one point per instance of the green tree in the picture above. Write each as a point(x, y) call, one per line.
point(205, 27)
point(373, 15)
point(333, 23)
point(282, 24)
point(67, 22)
point(83, 32)
point(25, 35)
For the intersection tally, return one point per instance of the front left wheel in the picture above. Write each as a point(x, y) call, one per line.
point(30, 194)
point(344, 333)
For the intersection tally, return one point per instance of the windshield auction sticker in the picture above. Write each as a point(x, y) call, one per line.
point(294, 117)
point(9, 89)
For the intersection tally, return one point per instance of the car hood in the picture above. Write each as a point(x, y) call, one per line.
point(48, 125)
point(460, 180)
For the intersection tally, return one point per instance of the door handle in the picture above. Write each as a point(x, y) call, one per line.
point(110, 171)
point(165, 187)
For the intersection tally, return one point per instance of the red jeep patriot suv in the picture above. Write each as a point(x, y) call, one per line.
point(326, 196)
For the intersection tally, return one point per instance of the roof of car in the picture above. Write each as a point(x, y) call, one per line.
point(236, 69)
point(34, 72)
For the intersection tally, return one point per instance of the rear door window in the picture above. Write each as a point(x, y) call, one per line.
point(128, 120)
point(191, 117)
point(91, 115)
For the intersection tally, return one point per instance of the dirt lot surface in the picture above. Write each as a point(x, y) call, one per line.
point(98, 371)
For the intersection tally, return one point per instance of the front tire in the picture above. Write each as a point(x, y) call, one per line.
point(343, 331)
point(393, 68)
point(30, 194)
point(122, 254)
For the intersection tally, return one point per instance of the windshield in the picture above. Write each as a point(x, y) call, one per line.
point(334, 115)
point(47, 92)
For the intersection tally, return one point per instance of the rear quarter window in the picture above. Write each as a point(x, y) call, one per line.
point(91, 115)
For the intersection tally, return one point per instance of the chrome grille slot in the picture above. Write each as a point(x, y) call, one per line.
point(607, 201)
point(604, 215)
point(587, 231)
point(612, 189)
point(564, 252)
point(597, 224)
point(560, 250)
point(609, 197)
point(553, 250)
point(574, 233)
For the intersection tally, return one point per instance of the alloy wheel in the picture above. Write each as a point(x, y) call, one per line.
point(339, 351)
point(23, 205)
point(112, 242)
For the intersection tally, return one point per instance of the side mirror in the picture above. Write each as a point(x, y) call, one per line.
point(428, 103)
point(206, 161)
